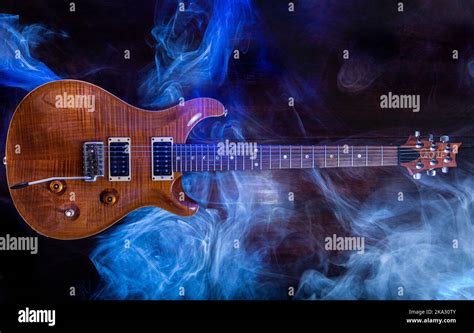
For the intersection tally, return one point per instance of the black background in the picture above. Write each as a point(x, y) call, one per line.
point(414, 50)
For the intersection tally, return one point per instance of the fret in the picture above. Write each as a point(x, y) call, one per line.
point(203, 157)
point(366, 156)
point(290, 156)
point(301, 157)
point(270, 157)
point(352, 157)
point(176, 157)
point(186, 158)
point(251, 164)
point(381, 159)
point(261, 156)
point(197, 157)
point(214, 157)
point(208, 158)
point(280, 156)
point(325, 156)
point(337, 155)
point(313, 155)
point(191, 159)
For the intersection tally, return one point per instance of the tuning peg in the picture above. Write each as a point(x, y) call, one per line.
point(419, 144)
point(444, 139)
point(430, 138)
point(447, 159)
point(431, 172)
point(444, 169)
point(417, 176)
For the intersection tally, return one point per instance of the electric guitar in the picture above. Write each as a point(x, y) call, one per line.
point(78, 159)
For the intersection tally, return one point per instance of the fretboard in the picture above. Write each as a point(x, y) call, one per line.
point(204, 157)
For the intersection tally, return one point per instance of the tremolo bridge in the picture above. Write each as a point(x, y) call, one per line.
point(93, 155)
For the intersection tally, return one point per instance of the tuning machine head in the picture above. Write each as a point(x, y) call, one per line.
point(419, 144)
point(423, 154)
point(444, 139)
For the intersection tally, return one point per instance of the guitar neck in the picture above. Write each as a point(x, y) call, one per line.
point(204, 157)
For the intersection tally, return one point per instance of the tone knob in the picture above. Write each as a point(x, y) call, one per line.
point(109, 197)
point(57, 186)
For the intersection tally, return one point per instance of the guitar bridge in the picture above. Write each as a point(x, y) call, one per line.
point(93, 156)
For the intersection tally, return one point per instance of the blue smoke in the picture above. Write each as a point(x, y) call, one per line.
point(184, 59)
point(18, 67)
point(423, 246)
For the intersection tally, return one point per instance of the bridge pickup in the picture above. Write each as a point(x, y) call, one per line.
point(119, 159)
point(162, 158)
point(93, 158)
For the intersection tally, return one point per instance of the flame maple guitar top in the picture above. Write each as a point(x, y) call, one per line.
point(45, 141)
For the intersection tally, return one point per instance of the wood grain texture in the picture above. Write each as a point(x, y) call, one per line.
point(51, 141)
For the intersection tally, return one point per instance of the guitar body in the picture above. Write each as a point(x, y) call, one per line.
point(46, 141)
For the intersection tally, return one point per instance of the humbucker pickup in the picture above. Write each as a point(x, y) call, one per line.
point(119, 159)
point(162, 158)
point(93, 157)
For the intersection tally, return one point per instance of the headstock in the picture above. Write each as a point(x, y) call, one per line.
point(420, 155)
